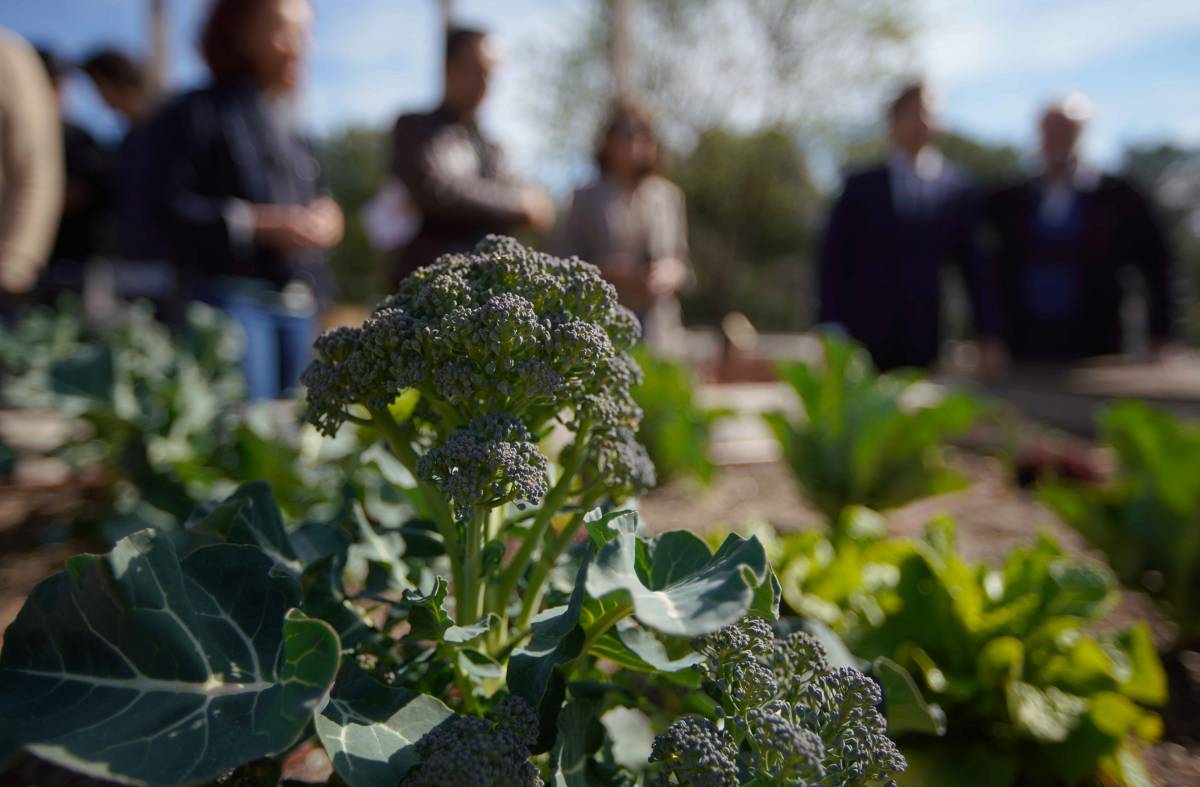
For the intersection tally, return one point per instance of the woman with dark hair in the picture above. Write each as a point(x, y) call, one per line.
point(630, 221)
point(234, 193)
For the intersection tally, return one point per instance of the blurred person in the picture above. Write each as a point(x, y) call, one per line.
point(631, 222)
point(124, 85)
point(1062, 240)
point(891, 232)
point(454, 175)
point(234, 188)
point(87, 227)
point(31, 168)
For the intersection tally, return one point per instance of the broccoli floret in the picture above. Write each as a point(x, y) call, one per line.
point(468, 751)
point(694, 751)
point(790, 718)
point(490, 462)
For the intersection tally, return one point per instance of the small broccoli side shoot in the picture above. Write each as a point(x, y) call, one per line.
point(468, 751)
point(784, 717)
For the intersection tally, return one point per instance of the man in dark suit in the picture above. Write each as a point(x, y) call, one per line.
point(1060, 243)
point(454, 175)
point(891, 231)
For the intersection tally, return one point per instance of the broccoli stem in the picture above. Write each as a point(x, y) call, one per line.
point(571, 464)
point(467, 595)
point(549, 557)
point(439, 509)
point(606, 621)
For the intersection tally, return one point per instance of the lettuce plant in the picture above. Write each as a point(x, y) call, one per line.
point(865, 438)
point(1146, 519)
point(477, 643)
point(1031, 695)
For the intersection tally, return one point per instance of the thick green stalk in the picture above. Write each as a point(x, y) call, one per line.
point(549, 557)
point(467, 596)
point(402, 449)
point(598, 629)
point(554, 501)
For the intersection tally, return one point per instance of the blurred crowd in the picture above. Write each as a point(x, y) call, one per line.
point(215, 195)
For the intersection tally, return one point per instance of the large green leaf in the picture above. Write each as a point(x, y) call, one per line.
point(556, 638)
point(674, 585)
point(139, 667)
point(905, 709)
point(249, 516)
point(369, 729)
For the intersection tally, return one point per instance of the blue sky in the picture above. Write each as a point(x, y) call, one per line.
point(994, 61)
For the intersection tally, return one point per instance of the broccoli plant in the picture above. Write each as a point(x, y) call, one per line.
point(783, 716)
point(498, 385)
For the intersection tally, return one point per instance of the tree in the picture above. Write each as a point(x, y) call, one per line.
point(752, 207)
point(802, 65)
point(1171, 176)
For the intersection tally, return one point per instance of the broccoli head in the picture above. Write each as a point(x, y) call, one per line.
point(502, 335)
point(503, 329)
point(468, 751)
point(786, 715)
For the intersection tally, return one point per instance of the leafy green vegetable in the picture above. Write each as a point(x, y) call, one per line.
point(675, 427)
point(164, 413)
point(1006, 652)
point(1146, 520)
point(866, 438)
point(370, 729)
point(474, 596)
point(141, 667)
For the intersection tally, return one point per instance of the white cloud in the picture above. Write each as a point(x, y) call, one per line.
point(965, 41)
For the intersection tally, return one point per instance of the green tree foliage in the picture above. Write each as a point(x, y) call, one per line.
point(752, 208)
point(1170, 175)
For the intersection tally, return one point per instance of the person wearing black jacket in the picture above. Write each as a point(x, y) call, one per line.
point(234, 193)
point(889, 237)
point(1060, 243)
point(455, 177)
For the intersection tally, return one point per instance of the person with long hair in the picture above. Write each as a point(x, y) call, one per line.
point(631, 222)
point(234, 190)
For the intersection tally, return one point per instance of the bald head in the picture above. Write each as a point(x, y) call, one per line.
point(1061, 126)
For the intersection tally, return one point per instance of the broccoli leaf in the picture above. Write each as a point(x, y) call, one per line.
point(124, 661)
point(370, 729)
point(672, 587)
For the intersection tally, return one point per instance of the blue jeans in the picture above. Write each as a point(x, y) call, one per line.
point(278, 339)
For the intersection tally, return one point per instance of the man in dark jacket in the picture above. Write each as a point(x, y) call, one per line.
point(454, 176)
point(891, 231)
point(1061, 241)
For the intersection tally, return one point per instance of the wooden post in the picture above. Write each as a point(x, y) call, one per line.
point(620, 48)
point(159, 65)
